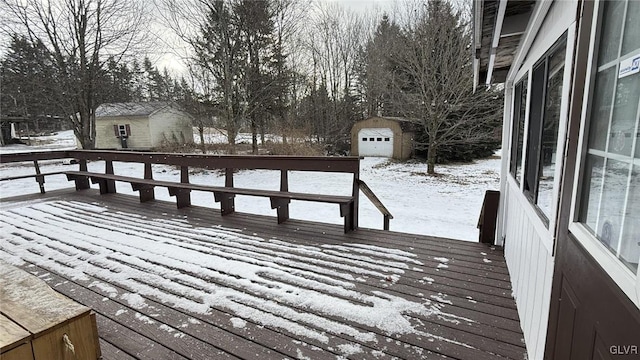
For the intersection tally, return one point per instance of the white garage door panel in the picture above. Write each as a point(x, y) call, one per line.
point(375, 142)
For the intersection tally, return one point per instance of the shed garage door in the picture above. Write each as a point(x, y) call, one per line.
point(375, 142)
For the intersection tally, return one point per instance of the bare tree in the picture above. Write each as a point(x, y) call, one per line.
point(435, 82)
point(80, 36)
point(334, 42)
point(289, 18)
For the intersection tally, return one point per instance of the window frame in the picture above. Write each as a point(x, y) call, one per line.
point(536, 109)
point(624, 277)
point(517, 146)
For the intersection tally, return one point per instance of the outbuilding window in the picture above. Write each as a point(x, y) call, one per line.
point(122, 130)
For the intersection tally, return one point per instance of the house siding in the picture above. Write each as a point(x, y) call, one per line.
point(139, 139)
point(528, 241)
point(530, 266)
point(170, 125)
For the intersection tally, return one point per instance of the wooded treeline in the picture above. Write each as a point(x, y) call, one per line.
point(269, 66)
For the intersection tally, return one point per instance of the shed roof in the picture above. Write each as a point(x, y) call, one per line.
point(405, 123)
point(131, 108)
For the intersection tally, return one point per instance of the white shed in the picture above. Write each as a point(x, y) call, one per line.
point(142, 125)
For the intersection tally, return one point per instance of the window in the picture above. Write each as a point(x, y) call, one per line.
point(386, 139)
point(517, 131)
point(609, 203)
point(122, 130)
point(364, 139)
point(544, 122)
point(379, 139)
point(371, 139)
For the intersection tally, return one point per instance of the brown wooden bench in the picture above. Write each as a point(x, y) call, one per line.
point(222, 194)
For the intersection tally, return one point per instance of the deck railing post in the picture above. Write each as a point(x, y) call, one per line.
point(488, 217)
point(227, 201)
point(183, 196)
point(82, 182)
point(146, 192)
point(356, 196)
point(282, 205)
point(108, 185)
point(39, 178)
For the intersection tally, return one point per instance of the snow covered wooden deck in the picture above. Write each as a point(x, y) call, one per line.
point(190, 284)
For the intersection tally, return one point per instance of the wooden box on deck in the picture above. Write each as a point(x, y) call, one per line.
point(34, 320)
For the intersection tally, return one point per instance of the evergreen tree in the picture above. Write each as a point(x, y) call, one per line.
point(379, 68)
point(255, 20)
point(28, 82)
point(218, 52)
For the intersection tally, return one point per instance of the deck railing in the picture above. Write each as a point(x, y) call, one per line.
point(228, 163)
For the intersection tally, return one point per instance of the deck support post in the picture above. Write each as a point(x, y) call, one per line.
point(347, 212)
point(227, 201)
point(282, 204)
point(183, 196)
point(282, 207)
point(82, 182)
point(386, 222)
point(356, 202)
point(146, 191)
point(108, 186)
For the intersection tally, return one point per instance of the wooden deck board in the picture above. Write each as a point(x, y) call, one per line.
point(465, 286)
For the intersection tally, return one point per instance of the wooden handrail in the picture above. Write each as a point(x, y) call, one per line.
point(376, 202)
point(348, 164)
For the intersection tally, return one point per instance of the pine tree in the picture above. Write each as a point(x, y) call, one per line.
point(28, 81)
point(378, 69)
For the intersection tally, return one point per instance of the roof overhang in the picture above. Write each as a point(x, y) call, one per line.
point(498, 27)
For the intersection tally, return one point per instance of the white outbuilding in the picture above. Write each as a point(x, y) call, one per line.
point(142, 125)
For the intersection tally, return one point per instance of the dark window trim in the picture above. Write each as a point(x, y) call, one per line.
point(537, 105)
point(516, 134)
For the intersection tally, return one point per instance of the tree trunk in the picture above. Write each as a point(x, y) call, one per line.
point(203, 147)
point(431, 158)
point(254, 135)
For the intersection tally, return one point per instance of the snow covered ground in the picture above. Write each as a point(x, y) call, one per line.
point(447, 205)
point(355, 300)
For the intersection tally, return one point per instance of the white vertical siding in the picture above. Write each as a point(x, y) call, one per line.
point(529, 243)
point(530, 265)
